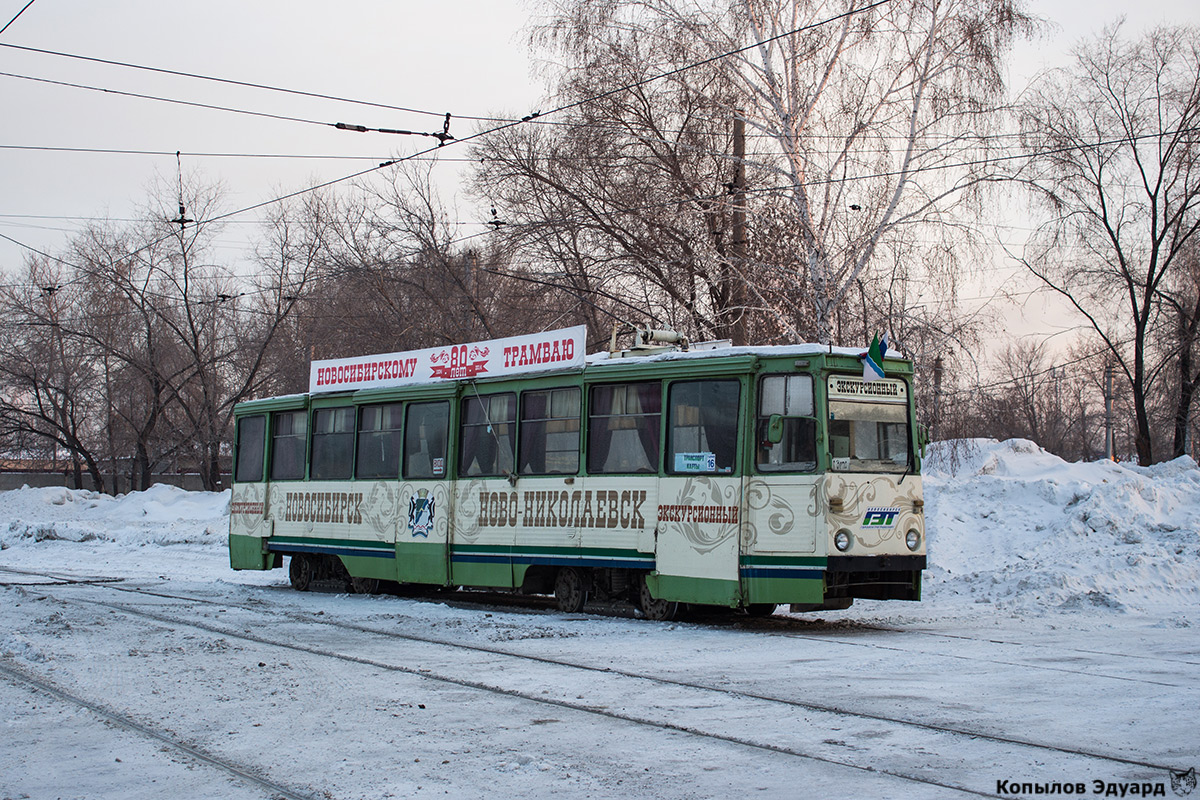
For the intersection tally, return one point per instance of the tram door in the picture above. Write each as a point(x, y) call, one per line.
point(696, 547)
point(249, 522)
point(700, 500)
point(423, 535)
point(425, 498)
point(782, 506)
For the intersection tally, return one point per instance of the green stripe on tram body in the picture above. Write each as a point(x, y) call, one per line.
point(505, 565)
point(332, 546)
point(783, 579)
point(422, 562)
point(705, 591)
point(615, 558)
point(362, 558)
point(764, 579)
point(248, 552)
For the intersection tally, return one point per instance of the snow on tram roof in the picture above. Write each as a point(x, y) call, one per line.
point(806, 349)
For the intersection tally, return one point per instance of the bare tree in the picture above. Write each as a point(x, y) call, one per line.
point(1048, 403)
point(628, 202)
point(385, 268)
point(221, 334)
point(289, 254)
point(458, 288)
point(137, 348)
point(1116, 168)
point(49, 386)
point(141, 366)
point(1057, 403)
point(867, 119)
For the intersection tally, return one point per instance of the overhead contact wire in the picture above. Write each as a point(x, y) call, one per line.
point(477, 135)
point(442, 136)
point(14, 19)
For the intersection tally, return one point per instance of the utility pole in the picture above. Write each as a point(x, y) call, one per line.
point(937, 395)
point(1187, 434)
point(1108, 400)
point(737, 277)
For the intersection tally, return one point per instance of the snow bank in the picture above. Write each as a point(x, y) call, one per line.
point(1014, 525)
point(1008, 523)
point(161, 515)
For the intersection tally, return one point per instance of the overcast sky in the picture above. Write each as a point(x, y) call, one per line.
point(468, 58)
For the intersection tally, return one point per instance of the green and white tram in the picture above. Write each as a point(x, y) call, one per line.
point(743, 477)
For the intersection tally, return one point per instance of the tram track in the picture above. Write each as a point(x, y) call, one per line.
point(21, 678)
point(780, 625)
point(737, 696)
point(1036, 645)
point(769, 626)
point(997, 662)
point(483, 686)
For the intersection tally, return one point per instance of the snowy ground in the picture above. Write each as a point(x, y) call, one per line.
point(1055, 645)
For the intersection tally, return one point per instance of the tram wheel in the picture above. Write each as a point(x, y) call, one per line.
point(651, 608)
point(761, 609)
point(365, 585)
point(300, 572)
point(570, 592)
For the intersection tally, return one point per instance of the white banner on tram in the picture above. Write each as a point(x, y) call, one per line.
point(536, 352)
point(842, 387)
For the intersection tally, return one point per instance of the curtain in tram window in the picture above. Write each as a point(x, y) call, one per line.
point(600, 428)
point(487, 435)
point(623, 430)
point(535, 409)
point(478, 451)
point(648, 398)
point(474, 458)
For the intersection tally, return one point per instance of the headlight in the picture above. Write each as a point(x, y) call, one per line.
point(841, 540)
point(913, 540)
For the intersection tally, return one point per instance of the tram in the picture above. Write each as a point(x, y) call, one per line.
point(661, 473)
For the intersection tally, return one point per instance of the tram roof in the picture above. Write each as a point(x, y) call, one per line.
point(604, 361)
point(763, 351)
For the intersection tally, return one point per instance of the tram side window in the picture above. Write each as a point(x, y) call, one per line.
point(791, 398)
point(251, 444)
point(487, 441)
point(550, 432)
point(623, 427)
point(332, 444)
point(425, 440)
point(379, 441)
point(289, 444)
point(703, 427)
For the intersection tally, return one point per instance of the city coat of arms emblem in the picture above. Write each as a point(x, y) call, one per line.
point(420, 513)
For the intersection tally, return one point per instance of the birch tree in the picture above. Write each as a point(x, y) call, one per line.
point(628, 201)
point(873, 120)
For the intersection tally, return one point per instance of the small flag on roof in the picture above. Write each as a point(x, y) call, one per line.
point(873, 359)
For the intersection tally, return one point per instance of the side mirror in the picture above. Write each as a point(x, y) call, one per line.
point(775, 428)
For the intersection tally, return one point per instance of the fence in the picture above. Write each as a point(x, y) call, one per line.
point(15, 480)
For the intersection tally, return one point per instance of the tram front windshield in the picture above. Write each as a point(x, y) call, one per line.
point(868, 437)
